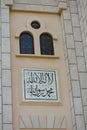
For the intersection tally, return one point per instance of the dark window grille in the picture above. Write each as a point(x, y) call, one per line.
point(26, 43)
point(46, 44)
point(35, 25)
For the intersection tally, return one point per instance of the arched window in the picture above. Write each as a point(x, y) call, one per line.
point(46, 44)
point(26, 43)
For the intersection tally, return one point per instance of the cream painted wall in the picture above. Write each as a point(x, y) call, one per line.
point(21, 21)
point(75, 56)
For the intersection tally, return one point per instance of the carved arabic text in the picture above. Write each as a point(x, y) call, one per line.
point(40, 92)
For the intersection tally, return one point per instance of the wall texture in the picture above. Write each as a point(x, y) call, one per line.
point(6, 102)
point(0, 74)
point(82, 10)
point(76, 57)
point(74, 22)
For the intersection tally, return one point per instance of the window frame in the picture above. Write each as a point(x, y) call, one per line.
point(51, 50)
point(21, 46)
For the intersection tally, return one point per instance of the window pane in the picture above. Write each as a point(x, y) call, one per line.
point(26, 44)
point(46, 45)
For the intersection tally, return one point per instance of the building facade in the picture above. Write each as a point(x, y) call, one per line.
point(43, 86)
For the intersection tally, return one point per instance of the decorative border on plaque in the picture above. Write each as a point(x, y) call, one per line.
point(40, 85)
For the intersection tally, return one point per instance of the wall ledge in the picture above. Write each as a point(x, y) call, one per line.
point(41, 7)
point(9, 2)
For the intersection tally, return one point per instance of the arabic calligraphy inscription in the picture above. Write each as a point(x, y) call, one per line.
point(40, 85)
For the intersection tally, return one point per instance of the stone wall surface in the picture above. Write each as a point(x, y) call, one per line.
point(5, 69)
point(82, 11)
point(0, 75)
point(74, 26)
point(75, 38)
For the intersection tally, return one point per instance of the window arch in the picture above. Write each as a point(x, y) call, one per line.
point(26, 43)
point(46, 44)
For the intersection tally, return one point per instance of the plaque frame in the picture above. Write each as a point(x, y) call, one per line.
point(53, 96)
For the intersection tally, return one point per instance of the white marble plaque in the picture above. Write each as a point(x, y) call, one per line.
point(40, 85)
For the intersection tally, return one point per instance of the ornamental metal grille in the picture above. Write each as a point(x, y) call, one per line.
point(35, 25)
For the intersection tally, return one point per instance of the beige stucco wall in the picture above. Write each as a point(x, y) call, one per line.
point(75, 55)
point(38, 61)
